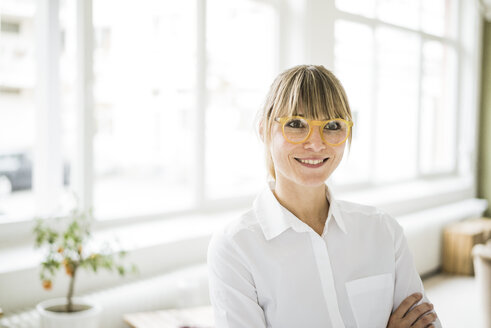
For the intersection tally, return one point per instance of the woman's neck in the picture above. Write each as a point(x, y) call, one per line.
point(308, 204)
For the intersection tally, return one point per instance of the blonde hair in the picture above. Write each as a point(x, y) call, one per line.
point(308, 89)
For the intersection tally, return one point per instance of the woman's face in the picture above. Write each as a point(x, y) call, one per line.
point(307, 164)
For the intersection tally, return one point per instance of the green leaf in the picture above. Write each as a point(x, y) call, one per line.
point(65, 240)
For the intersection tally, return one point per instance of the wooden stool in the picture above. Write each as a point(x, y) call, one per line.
point(458, 240)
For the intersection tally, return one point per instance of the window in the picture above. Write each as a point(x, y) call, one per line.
point(398, 62)
point(144, 87)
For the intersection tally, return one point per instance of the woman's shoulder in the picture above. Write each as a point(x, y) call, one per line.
point(244, 224)
point(361, 213)
point(235, 239)
point(360, 210)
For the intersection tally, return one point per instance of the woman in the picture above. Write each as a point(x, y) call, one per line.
point(300, 258)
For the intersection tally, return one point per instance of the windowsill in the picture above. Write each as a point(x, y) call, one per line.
point(131, 237)
point(399, 200)
point(414, 196)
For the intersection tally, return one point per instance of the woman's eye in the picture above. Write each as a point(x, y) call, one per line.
point(332, 126)
point(295, 124)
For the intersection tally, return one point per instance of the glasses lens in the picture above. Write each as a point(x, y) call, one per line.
point(296, 129)
point(335, 131)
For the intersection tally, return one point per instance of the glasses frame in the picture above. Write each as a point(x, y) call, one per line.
point(312, 123)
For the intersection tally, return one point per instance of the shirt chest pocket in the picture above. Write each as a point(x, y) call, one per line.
point(371, 300)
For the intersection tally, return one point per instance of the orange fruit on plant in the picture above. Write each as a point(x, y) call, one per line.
point(47, 284)
point(68, 267)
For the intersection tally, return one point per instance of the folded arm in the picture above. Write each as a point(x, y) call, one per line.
point(409, 310)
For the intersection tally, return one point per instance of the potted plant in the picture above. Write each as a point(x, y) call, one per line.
point(66, 241)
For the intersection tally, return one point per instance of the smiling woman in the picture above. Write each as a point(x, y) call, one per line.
point(300, 258)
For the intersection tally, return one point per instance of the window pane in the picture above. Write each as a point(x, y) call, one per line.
point(144, 67)
point(17, 107)
point(438, 17)
point(400, 12)
point(396, 126)
point(360, 7)
point(438, 127)
point(241, 42)
point(356, 75)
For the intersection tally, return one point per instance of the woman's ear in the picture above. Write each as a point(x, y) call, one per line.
point(261, 130)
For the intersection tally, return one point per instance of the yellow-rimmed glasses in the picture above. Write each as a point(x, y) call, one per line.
point(297, 129)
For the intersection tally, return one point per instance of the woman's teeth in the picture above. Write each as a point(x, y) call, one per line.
point(311, 161)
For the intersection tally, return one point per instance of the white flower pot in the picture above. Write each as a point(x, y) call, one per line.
point(52, 314)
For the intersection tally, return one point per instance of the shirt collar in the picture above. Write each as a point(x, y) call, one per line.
point(334, 211)
point(275, 219)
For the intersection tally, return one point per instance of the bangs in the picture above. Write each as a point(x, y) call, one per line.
point(313, 95)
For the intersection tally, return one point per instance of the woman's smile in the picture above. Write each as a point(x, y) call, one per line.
point(312, 162)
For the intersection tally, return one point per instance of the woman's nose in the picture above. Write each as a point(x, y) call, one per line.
point(315, 142)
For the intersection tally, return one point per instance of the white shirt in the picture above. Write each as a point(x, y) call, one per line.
point(270, 269)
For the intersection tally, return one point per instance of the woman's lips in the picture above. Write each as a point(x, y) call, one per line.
point(312, 162)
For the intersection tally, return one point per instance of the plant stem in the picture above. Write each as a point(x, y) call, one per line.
point(70, 290)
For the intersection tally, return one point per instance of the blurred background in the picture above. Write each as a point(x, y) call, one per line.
point(144, 112)
point(163, 95)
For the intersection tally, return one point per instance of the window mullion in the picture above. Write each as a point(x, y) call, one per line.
point(419, 112)
point(374, 105)
point(459, 49)
point(419, 171)
point(199, 120)
point(83, 165)
point(47, 173)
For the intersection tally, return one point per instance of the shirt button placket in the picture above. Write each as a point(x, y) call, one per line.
point(326, 276)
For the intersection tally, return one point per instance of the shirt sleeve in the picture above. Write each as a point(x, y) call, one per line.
point(232, 290)
point(407, 279)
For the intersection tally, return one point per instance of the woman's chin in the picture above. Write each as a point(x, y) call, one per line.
point(303, 179)
point(311, 181)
